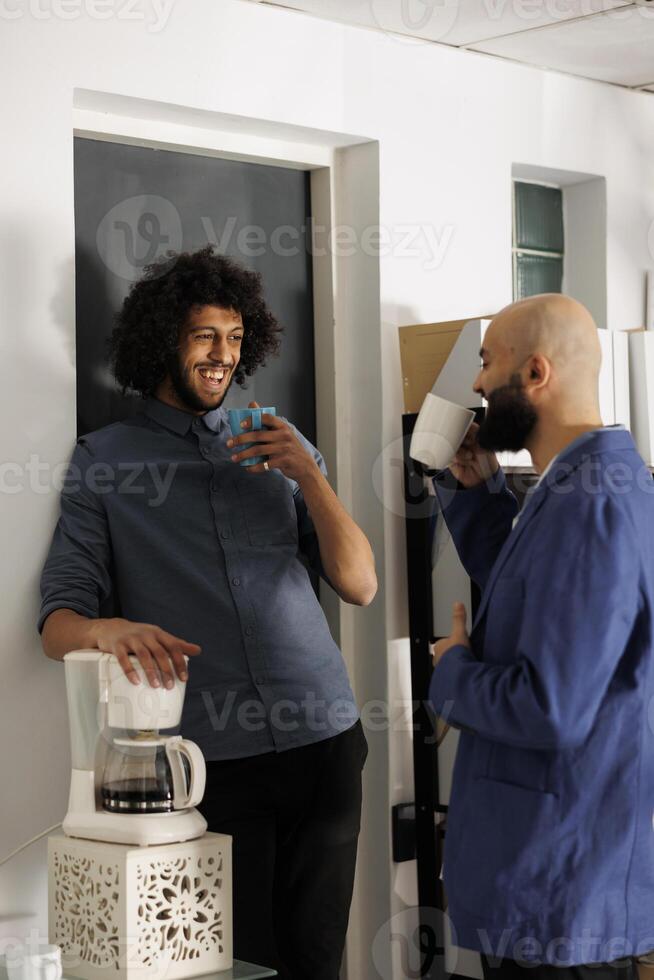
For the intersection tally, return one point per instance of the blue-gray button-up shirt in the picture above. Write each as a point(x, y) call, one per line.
point(155, 514)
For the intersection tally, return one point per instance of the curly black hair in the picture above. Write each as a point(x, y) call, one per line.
point(145, 338)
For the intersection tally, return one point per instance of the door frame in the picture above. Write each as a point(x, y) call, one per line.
point(97, 119)
point(346, 291)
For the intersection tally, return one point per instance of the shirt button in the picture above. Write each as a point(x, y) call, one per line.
point(259, 680)
point(223, 534)
point(236, 581)
point(249, 630)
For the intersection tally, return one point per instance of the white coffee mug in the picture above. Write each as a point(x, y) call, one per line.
point(42, 962)
point(440, 429)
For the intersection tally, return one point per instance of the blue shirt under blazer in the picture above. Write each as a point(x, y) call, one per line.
point(550, 848)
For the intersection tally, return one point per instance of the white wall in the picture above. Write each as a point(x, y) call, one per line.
point(584, 263)
point(448, 133)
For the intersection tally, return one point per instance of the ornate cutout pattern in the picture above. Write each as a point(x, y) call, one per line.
point(86, 909)
point(179, 907)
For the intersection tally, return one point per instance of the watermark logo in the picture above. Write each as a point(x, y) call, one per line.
point(140, 230)
point(137, 232)
point(390, 485)
point(415, 21)
point(425, 21)
point(416, 939)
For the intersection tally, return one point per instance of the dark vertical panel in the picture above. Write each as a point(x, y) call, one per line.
point(132, 204)
point(538, 217)
point(536, 274)
point(418, 521)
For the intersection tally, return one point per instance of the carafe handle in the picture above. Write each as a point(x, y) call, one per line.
point(175, 747)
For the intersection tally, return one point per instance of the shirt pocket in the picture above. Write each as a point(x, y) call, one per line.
point(268, 509)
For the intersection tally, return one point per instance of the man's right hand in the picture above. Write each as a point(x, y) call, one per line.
point(160, 653)
point(473, 465)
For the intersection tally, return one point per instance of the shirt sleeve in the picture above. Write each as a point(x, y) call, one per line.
point(307, 536)
point(479, 519)
point(582, 599)
point(77, 571)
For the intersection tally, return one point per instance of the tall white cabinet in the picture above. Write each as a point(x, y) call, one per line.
point(641, 379)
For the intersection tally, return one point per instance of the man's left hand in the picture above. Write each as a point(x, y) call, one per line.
point(458, 636)
point(278, 443)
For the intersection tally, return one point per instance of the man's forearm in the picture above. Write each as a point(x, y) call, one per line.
point(161, 654)
point(345, 552)
point(65, 630)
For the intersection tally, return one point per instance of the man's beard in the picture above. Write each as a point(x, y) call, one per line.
point(509, 420)
point(187, 394)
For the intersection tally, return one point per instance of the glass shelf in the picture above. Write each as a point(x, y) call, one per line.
point(240, 971)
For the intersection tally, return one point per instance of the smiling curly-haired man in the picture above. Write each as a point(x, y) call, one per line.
point(206, 561)
point(145, 343)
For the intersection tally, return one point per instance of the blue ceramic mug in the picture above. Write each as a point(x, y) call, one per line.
point(238, 415)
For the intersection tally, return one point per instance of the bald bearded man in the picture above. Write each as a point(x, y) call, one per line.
point(549, 856)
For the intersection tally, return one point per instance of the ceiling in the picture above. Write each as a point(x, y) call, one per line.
point(607, 40)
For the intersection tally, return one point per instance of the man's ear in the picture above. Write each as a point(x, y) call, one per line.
point(539, 371)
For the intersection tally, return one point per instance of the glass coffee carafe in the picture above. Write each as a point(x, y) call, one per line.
point(151, 773)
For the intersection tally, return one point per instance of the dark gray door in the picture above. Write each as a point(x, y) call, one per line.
point(132, 204)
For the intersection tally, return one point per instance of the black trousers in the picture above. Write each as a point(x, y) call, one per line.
point(294, 817)
point(510, 970)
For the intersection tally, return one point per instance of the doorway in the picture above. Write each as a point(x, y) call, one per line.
point(135, 203)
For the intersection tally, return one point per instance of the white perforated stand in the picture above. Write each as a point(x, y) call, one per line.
point(121, 912)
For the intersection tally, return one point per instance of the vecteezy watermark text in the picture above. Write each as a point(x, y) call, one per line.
point(141, 230)
point(589, 476)
point(320, 715)
point(412, 240)
point(561, 951)
point(101, 478)
point(154, 13)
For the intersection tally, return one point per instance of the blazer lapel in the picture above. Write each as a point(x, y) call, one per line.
point(598, 442)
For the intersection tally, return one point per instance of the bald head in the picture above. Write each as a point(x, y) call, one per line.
point(559, 329)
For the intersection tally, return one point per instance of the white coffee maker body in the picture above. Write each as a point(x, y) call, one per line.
point(104, 707)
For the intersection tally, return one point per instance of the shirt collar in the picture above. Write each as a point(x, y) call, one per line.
point(179, 421)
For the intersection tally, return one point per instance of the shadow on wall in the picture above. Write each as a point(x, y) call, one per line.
point(98, 396)
point(62, 308)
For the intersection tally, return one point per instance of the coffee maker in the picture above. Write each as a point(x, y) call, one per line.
point(138, 889)
point(129, 783)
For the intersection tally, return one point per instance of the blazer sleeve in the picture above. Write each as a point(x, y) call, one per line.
point(77, 571)
point(582, 600)
point(479, 520)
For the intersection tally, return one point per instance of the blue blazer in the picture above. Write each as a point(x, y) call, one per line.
point(549, 854)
